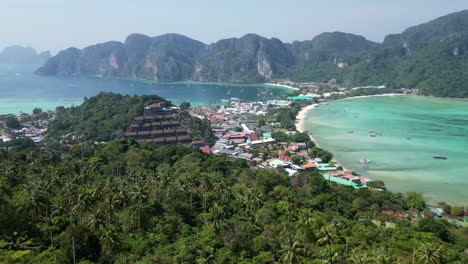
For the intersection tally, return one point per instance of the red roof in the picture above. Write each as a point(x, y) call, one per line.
point(184, 138)
point(130, 134)
point(143, 133)
point(309, 166)
point(206, 150)
point(281, 156)
point(198, 142)
point(157, 105)
point(171, 139)
point(156, 132)
point(253, 137)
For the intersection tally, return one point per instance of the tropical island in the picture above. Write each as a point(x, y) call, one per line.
point(430, 57)
point(90, 192)
point(141, 179)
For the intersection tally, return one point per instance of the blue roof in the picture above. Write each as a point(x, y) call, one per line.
point(300, 97)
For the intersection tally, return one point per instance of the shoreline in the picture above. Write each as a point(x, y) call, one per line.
point(302, 115)
point(300, 121)
point(282, 86)
point(300, 126)
point(191, 82)
point(375, 95)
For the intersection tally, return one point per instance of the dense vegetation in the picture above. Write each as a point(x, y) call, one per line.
point(101, 118)
point(122, 202)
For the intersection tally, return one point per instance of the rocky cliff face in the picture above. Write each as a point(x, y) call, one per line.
point(172, 57)
point(251, 58)
point(169, 57)
point(421, 56)
point(23, 55)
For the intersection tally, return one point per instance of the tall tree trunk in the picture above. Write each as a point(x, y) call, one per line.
point(73, 247)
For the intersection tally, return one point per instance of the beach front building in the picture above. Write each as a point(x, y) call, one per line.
point(300, 98)
point(328, 177)
point(325, 167)
point(278, 102)
point(309, 166)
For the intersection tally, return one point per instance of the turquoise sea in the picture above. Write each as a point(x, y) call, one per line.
point(400, 135)
point(21, 90)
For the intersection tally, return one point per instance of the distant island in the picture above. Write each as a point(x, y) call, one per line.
point(430, 57)
point(23, 55)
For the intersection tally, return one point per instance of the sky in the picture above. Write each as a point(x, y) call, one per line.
point(58, 24)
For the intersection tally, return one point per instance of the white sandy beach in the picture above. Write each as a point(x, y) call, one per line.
point(300, 120)
point(302, 115)
point(375, 95)
point(283, 86)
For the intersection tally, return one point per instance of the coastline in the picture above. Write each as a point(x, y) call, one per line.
point(190, 82)
point(374, 95)
point(300, 121)
point(302, 115)
point(282, 86)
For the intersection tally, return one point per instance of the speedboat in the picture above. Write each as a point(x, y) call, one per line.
point(365, 161)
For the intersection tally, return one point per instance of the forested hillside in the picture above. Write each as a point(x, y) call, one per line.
point(102, 117)
point(129, 203)
point(430, 56)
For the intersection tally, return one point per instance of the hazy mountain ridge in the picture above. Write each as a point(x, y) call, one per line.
point(429, 56)
point(23, 55)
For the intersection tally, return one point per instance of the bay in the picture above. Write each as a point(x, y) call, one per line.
point(21, 90)
point(401, 135)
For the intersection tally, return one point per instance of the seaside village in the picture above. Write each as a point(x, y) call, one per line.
point(240, 135)
point(242, 130)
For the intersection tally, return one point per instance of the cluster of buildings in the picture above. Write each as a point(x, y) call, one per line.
point(239, 136)
point(159, 125)
point(34, 130)
point(227, 117)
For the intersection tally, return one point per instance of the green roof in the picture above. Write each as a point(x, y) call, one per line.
point(341, 181)
point(325, 167)
point(300, 97)
point(266, 136)
point(275, 163)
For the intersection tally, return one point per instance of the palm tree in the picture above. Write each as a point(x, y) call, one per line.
point(429, 254)
point(328, 236)
point(96, 219)
point(215, 216)
point(36, 201)
point(82, 202)
point(330, 256)
point(109, 241)
point(4, 190)
point(306, 220)
point(360, 258)
point(205, 255)
point(291, 252)
point(383, 257)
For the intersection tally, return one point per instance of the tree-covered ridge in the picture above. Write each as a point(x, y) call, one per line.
point(122, 202)
point(431, 57)
point(102, 117)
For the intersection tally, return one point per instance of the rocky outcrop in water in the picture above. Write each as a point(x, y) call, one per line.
point(23, 55)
